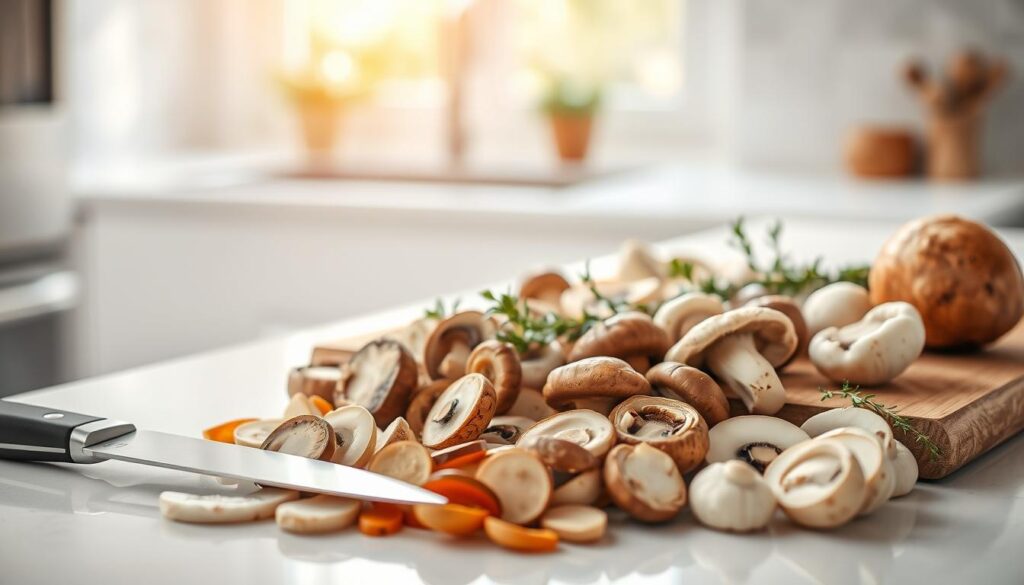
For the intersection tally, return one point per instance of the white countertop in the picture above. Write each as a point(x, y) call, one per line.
point(100, 523)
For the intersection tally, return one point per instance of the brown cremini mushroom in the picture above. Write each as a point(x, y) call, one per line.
point(379, 377)
point(668, 425)
point(788, 307)
point(356, 433)
point(644, 482)
point(423, 399)
point(586, 428)
point(450, 343)
point(692, 386)
point(314, 381)
point(960, 276)
point(679, 315)
point(560, 454)
point(597, 383)
point(742, 348)
point(546, 287)
point(460, 413)
point(498, 362)
point(305, 436)
point(398, 430)
point(631, 336)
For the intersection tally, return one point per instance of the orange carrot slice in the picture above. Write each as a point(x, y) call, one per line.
point(380, 520)
point(320, 404)
point(515, 537)
point(225, 432)
point(465, 491)
point(452, 519)
point(461, 461)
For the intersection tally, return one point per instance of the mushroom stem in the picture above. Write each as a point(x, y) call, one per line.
point(454, 364)
point(736, 361)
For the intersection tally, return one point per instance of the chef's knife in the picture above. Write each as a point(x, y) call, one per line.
point(35, 433)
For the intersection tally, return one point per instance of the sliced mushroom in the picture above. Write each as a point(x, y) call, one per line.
point(753, 439)
point(305, 436)
point(835, 305)
point(546, 287)
point(299, 405)
point(509, 420)
point(531, 404)
point(219, 509)
point(692, 386)
point(314, 381)
point(356, 433)
point(742, 348)
point(521, 481)
point(583, 488)
point(818, 483)
point(603, 381)
point(536, 364)
point(499, 363)
point(405, 460)
point(576, 523)
point(873, 350)
point(460, 413)
point(586, 428)
point(423, 400)
point(644, 482)
point(879, 475)
point(631, 336)
point(318, 515)
point(788, 307)
point(731, 496)
point(450, 343)
point(398, 430)
point(668, 425)
point(380, 378)
point(498, 434)
point(850, 416)
point(679, 315)
point(560, 454)
point(905, 465)
point(252, 434)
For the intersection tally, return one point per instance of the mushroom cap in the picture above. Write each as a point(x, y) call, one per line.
point(755, 439)
point(788, 307)
point(498, 362)
point(773, 334)
point(305, 436)
point(560, 454)
point(521, 481)
point(852, 416)
point(423, 399)
point(253, 433)
point(596, 377)
point(879, 475)
point(356, 432)
point(668, 425)
point(545, 286)
point(692, 386)
point(731, 496)
point(818, 483)
point(624, 335)
point(961, 277)
point(586, 428)
point(314, 381)
point(644, 482)
point(460, 413)
point(379, 377)
point(873, 350)
point(398, 430)
point(466, 328)
point(537, 364)
point(679, 315)
point(835, 305)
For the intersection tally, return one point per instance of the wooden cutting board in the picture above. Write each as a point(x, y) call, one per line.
point(966, 403)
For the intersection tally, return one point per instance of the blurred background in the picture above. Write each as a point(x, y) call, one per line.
point(178, 175)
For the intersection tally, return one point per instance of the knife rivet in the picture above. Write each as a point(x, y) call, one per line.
point(53, 415)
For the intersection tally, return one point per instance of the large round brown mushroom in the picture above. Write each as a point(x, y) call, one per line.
point(692, 386)
point(498, 362)
point(379, 377)
point(450, 343)
point(788, 307)
point(960, 276)
point(671, 426)
point(460, 413)
point(598, 383)
point(631, 336)
point(546, 287)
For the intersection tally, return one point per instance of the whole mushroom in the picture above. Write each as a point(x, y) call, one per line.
point(679, 315)
point(731, 496)
point(536, 364)
point(450, 343)
point(753, 439)
point(630, 336)
point(380, 378)
point(818, 484)
point(644, 482)
point(498, 362)
point(692, 386)
point(835, 305)
point(873, 350)
point(788, 307)
point(668, 425)
point(742, 348)
point(960, 276)
point(598, 383)
point(544, 289)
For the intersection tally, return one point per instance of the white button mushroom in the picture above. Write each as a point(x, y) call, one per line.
point(731, 496)
point(835, 305)
point(879, 474)
point(818, 483)
point(742, 348)
point(851, 416)
point(679, 315)
point(873, 350)
point(221, 509)
point(906, 470)
point(753, 439)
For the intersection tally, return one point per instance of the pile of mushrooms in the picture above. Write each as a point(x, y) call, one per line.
point(530, 445)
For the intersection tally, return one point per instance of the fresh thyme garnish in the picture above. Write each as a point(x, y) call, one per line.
point(614, 305)
point(526, 332)
point(890, 413)
point(439, 312)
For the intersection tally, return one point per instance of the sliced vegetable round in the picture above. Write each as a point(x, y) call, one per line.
point(576, 523)
point(466, 491)
point(461, 412)
point(583, 488)
point(665, 424)
point(422, 401)
point(516, 537)
point(379, 377)
point(521, 481)
point(560, 454)
point(314, 381)
point(252, 434)
point(225, 432)
point(219, 509)
point(754, 439)
point(454, 519)
point(305, 436)
point(644, 482)
point(356, 432)
point(398, 430)
point(586, 428)
point(879, 475)
point(318, 515)
point(405, 460)
point(381, 520)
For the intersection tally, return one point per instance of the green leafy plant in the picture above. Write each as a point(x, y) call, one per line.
point(527, 332)
point(890, 413)
point(438, 311)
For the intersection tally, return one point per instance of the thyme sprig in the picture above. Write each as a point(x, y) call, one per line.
point(438, 311)
point(614, 305)
point(527, 332)
point(890, 413)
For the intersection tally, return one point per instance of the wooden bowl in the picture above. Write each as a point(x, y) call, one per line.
point(880, 152)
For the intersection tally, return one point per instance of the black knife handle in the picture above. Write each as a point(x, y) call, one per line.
point(36, 433)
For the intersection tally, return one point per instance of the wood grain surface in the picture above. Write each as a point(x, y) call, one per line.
point(967, 403)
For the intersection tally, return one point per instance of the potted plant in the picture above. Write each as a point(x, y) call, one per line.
point(570, 108)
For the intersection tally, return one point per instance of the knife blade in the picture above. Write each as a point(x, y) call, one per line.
point(36, 433)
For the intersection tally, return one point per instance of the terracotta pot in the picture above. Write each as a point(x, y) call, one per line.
point(321, 125)
point(572, 135)
point(879, 152)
